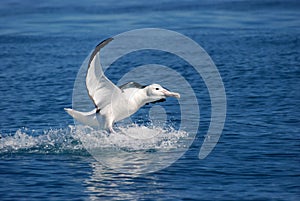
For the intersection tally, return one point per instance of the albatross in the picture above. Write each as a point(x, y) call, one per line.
point(113, 103)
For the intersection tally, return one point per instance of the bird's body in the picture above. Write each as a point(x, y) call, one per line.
point(114, 103)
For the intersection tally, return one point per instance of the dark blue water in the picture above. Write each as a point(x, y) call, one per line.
point(256, 48)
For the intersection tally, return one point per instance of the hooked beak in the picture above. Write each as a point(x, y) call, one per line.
point(171, 94)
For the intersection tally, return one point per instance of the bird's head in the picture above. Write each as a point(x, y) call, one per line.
point(157, 92)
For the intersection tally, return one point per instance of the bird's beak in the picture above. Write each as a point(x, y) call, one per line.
point(171, 94)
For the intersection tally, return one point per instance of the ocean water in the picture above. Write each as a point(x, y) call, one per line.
point(256, 48)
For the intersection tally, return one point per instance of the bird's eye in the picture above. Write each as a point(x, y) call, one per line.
point(156, 88)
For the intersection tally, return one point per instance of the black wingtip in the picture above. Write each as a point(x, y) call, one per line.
point(103, 43)
point(98, 47)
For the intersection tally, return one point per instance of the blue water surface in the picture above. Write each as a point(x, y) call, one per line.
point(256, 48)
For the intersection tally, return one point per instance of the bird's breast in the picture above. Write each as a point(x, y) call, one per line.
point(124, 109)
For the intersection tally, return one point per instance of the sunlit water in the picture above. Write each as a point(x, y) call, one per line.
point(255, 46)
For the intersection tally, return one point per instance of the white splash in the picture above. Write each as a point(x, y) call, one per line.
point(134, 149)
point(78, 139)
point(134, 137)
point(46, 141)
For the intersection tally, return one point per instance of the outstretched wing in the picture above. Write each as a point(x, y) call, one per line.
point(100, 89)
point(131, 85)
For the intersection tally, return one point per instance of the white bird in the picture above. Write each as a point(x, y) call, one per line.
point(114, 103)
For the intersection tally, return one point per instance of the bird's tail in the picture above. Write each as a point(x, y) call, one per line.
point(87, 118)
